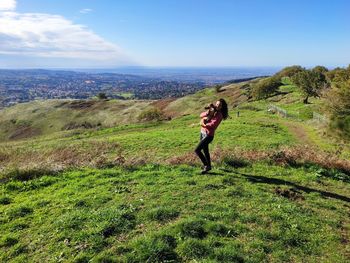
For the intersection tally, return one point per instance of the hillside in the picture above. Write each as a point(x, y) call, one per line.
point(130, 191)
point(43, 117)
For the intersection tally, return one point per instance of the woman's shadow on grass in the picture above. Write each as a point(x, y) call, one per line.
point(276, 181)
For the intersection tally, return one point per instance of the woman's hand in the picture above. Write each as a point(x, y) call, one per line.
point(202, 123)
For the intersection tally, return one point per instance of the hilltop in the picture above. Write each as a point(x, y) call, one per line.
point(129, 190)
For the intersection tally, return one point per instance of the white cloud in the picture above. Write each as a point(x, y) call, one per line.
point(7, 5)
point(53, 36)
point(85, 11)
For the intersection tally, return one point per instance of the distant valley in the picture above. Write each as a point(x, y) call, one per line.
point(18, 86)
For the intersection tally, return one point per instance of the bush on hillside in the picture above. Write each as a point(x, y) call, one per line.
point(265, 88)
point(218, 88)
point(289, 71)
point(102, 96)
point(339, 107)
point(320, 69)
point(338, 75)
point(153, 114)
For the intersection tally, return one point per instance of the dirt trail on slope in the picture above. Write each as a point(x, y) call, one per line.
point(299, 132)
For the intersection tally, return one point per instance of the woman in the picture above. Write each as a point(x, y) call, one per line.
point(210, 120)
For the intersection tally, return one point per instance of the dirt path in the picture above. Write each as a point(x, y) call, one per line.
point(298, 131)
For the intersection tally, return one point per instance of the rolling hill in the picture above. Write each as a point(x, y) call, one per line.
point(88, 182)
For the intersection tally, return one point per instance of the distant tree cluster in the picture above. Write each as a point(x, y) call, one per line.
point(265, 87)
point(332, 85)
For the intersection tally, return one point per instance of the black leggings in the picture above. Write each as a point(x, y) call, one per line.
point(204, 145)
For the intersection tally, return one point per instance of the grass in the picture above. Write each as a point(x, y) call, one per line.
point(132, 192)
point(164, 217)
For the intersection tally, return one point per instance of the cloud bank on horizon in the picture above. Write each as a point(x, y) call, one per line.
point(49, 40)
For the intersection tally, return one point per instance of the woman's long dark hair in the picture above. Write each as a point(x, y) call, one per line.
point(224, 108)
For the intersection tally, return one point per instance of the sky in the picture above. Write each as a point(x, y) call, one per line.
point(173, 33)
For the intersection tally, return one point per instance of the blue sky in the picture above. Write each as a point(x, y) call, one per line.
point(109, 33)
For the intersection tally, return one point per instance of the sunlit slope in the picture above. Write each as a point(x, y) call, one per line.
point(32, 119)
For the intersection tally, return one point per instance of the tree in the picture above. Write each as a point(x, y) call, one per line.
point(310, 83)
point(338, 102)
point(265, 87)
point(321, 69)
point(102, 96)
point(338, 75)
point(289, 71)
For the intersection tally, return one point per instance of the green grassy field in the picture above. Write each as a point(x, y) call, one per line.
point(133, 192)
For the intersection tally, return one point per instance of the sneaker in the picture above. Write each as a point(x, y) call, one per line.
point(206, 169)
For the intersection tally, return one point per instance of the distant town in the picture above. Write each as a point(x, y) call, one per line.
point(25, 85)
point(17, 86)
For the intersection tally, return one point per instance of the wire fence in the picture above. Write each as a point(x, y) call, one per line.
point(319, 118)
point(316, 117)
point(275, 109)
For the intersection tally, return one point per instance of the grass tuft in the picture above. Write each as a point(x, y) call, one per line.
point(158, 248)
point(27, 174)
point(193, 249)
point(193, 228)
point(162, 214)
point(117, 222)
point(8, 241)
point(229, 255)
point(221, 230)
point(235, 162)
point(5, 200)
point(21, 211)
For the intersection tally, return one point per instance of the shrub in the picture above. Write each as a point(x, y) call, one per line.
point(265, 88)
point(289, 71)
point(218, 88)
point(338, 102)
point(102, 96)
point(193, 249)
point(152, 114)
